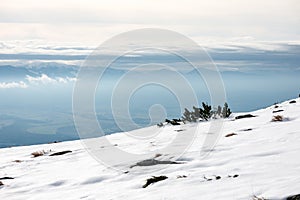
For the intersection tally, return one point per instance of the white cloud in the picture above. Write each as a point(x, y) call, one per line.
point(44, 79)
point(5, 85)
point(65, 80)
point(71, 79)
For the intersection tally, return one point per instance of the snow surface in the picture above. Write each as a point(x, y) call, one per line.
point(265, 159)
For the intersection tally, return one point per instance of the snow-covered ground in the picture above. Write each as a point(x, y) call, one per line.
point(260, 160)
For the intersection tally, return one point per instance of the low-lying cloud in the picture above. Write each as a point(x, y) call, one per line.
point(9, 85)
point(45, 79)
point(39, 80)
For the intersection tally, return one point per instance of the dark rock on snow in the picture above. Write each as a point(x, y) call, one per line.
point(277, 118)
point(160, 124)
point(244, 116)
point(293, 101)
point(181, 176)
point(154, 179)
point(6, 178)
point(276, 111)
point(234, 176)
point(60, 153)
point(151, 162)
point(230, 134)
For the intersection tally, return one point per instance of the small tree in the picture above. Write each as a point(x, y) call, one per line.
point(191, 116)
point(206, 112)
point(196, 112)
point(219, 110)
point(226, 112)
point(186, 115)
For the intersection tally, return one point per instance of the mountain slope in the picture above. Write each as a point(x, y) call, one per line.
point(259, 159)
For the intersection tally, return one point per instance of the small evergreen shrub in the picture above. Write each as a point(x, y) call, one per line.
point(226, 112)
point(173, 122)
point(205, 113)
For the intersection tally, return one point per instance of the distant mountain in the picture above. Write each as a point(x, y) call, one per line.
point(11, 73)
point(54, 70)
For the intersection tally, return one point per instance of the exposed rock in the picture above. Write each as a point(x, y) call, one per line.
point(276, 111)
point(230, 134)
point(160, 124)
point(154, 179)
point(60, 153)
point(151, 162)
point(247, 129)
point(181, 176)
point(277, 118)
point(234, 176)
point(294, 197)
point(6, 178)
point(1, 183)
point(38, 153)
point(208, 179)
point(294, 101)
point(244, 116)
point(157, 155)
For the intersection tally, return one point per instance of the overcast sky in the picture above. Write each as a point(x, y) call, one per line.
point(90, 22)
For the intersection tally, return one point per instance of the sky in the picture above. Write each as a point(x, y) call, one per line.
point(90, 22)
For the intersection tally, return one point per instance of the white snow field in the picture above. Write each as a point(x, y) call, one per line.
point(261, 160)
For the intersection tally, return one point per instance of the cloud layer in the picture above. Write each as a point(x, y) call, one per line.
point(39, 80)
point(9, 85)
point(45, 79)
point(91, 22)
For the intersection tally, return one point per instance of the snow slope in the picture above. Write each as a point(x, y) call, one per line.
point(263, 156)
